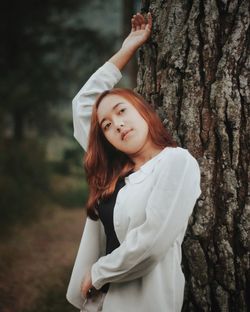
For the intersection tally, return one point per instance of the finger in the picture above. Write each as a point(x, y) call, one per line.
point(138, 22)
point(134, 21)
point(84, 289)
point(139, 18)
point(133, 27)
point(149, 22)
point(137, 25)
point(141, 21)
point(89, 293)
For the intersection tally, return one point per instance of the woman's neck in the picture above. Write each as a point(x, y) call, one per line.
point(142, 156)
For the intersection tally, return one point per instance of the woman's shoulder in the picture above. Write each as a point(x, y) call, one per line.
point(172, 152)
point(176, 156)
point(174, 163)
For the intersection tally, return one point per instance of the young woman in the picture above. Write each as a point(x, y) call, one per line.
point(143, 189)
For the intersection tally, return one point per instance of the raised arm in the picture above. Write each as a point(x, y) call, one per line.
point(140, 32)
point(107, 76)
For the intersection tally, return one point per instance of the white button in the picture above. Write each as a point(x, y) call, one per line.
point(117, 223)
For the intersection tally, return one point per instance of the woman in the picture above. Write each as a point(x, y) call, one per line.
point(140, 179)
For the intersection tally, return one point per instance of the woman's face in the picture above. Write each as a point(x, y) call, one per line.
point(122, 124)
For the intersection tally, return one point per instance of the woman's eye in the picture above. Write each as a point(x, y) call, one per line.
point(106, 126)
point(122, 110)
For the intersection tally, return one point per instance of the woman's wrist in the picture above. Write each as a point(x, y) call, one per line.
point(140, 32)
point(122, 57)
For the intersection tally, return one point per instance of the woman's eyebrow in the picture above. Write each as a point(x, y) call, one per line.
point(114, 107)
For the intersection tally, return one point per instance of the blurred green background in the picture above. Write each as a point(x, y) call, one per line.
point(48, 50)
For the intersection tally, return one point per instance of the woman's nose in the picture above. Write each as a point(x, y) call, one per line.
point(119, 125)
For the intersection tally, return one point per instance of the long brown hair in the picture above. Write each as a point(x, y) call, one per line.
point(103, 163)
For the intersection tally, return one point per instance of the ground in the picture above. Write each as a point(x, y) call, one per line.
point(36, 262)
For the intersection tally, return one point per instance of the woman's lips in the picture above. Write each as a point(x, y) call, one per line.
point(125, 134)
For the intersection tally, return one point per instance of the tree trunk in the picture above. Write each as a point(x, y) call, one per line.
point(194, 71)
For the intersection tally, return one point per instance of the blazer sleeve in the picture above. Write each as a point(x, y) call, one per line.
point(103, 79)
point(92, 246)
point(167, 212)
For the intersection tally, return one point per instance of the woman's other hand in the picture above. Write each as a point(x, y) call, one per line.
point(86, 285)
point(140, 32)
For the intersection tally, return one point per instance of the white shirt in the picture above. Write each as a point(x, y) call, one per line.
point(151, 215)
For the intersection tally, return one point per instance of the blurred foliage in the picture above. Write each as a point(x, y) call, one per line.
point(46, 54)
point(73, 196)
point(68, 185)
point(71, 162)
point(28, 181)
point(23, 181)
point(44, 50)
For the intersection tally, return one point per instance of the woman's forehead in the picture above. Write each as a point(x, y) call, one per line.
point(110, 99)
point(109, 103)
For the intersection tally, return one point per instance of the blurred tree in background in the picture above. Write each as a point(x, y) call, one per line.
point(48, 49)
point(44, 44)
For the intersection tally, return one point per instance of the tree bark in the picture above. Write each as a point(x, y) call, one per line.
point(194, 71)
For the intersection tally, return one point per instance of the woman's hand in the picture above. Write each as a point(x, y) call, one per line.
point(140, 32)
point(86, 285)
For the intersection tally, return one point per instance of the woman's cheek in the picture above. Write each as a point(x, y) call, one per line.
point(113, 140)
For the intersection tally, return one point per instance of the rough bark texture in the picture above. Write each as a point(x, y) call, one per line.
point(195, 73)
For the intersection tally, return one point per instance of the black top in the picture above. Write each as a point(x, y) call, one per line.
point(106, 210)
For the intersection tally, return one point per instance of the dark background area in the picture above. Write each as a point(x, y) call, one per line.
point(48, 50)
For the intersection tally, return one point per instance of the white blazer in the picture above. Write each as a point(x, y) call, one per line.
point(151, 215)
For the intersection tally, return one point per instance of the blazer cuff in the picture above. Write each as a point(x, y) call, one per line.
point(110, 67)
point(94, 277)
